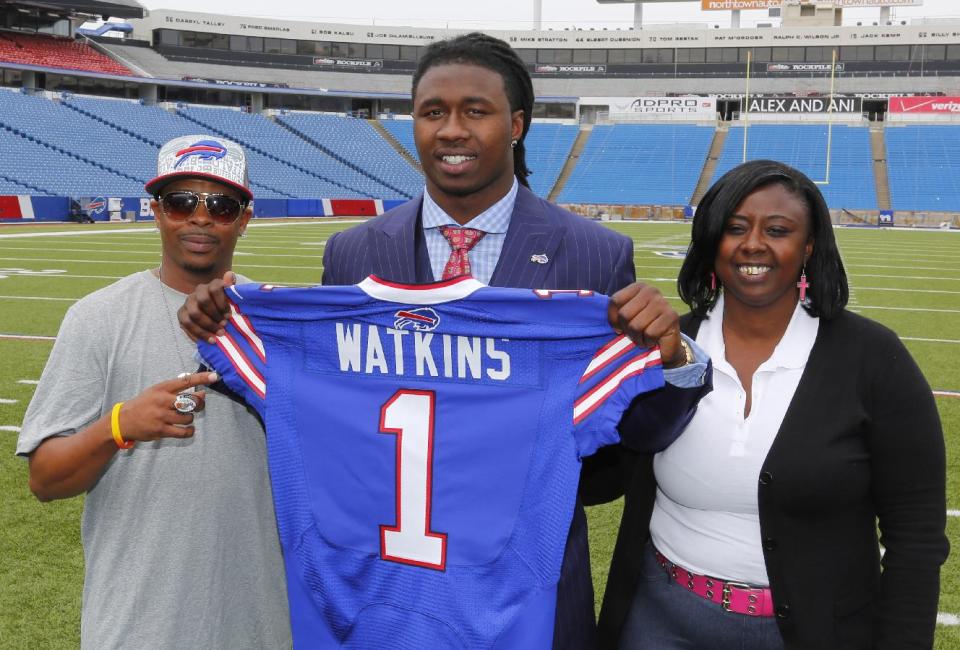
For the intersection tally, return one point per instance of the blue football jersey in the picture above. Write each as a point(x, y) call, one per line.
point(424, 446)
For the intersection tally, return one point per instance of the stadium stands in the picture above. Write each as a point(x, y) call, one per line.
point(402, 130)
point(656, 164)
point(923, 167)
point(358, 145)
point(65, 153)
point(548, 146)
point(282, 160)
point(55, 52)
point(804, 146)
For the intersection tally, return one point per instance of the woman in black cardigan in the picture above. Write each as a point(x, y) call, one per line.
point(768, 505)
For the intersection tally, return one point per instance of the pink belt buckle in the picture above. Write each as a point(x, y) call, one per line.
point(744, 599)
point(733, 597)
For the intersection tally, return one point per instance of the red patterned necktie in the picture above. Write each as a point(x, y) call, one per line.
point(461, 241)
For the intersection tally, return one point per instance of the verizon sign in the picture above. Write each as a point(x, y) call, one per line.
point(804, 105)
point(942, 105)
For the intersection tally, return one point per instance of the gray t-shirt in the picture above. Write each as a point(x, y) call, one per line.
point(179, 536)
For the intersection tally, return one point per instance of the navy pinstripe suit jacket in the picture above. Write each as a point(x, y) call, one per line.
point(581, 255)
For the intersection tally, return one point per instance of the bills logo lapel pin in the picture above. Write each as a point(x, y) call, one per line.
point(539, 258)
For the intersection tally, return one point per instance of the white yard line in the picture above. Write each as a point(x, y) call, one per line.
point(141, 262)
point(924, 309)
point(925, 340)
point(38, 298)
point(953, 513)
point(950, 620)
point(8, 401)
point(946, 393)
point(905, 290)
point(28, 382)
point(11, 429)
point(26, 337)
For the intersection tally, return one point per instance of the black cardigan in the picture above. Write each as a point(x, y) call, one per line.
point(861, 442)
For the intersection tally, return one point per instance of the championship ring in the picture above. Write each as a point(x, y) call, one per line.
point(185, 403)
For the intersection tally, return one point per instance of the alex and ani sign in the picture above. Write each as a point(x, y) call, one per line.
point(721, 5)
point(942, 105)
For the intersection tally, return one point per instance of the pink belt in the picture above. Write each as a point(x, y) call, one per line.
point(731, 596)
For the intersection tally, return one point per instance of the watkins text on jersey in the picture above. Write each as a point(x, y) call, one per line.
point(374, 350)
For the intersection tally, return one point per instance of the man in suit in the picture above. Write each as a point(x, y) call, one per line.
point(473, 103)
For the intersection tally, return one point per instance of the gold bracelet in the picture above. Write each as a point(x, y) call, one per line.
point(115, 428)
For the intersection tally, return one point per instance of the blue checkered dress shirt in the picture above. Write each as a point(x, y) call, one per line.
point(494, 221)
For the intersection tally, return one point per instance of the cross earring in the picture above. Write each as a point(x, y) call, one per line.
point(803, 285)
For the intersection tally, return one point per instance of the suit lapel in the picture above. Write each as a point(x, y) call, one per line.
point(393, 244)
point(530, 247)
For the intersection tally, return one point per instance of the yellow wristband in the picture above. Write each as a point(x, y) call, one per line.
point(115, 428)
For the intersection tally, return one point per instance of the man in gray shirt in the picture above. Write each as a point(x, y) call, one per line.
point(179, 534)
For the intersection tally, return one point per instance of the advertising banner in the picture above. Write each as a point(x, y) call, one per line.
point(557, 68)
point(941, 105)
point(727, 5)
point(347, 63)
point(804, 105)
point(803, 67)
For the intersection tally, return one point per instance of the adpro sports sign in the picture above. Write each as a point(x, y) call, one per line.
point(941, 105)
point(686, 105)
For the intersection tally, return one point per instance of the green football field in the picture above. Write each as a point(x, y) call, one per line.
point(908, 280)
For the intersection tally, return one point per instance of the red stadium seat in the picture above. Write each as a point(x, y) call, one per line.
point(55, 52)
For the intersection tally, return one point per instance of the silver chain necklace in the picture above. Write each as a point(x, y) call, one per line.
point(184, 402)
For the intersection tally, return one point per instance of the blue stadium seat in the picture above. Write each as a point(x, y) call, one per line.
point(359, 145)
point(923, 167)
point(282, 160)
point(656, 164)
point(804, 146)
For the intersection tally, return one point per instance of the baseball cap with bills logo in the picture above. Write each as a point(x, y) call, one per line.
point(202, 156)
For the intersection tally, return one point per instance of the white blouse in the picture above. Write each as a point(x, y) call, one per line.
point(706, 517)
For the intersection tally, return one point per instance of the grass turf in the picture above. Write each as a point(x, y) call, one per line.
point(908, 280)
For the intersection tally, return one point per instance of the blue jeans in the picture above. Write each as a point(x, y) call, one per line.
point(665, 616)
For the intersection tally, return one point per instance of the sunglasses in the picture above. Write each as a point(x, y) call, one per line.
point(222, 208)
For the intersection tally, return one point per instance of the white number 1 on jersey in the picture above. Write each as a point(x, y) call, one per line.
point(410, 414)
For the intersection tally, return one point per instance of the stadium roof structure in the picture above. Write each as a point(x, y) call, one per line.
point(105, 8)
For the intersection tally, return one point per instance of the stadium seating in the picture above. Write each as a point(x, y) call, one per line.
point(923, 167)
point(804, 146)
point(285, 161)
point(49, 146)
point(656, 164)
point(56, 52)
point(547, 147)
point(357, 144)
point(402, 130)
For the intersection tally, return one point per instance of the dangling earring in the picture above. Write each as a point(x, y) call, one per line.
point(713, 281)
point(803, 284)
point(513, 144)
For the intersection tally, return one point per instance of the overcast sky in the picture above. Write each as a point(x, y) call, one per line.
point(509, 14)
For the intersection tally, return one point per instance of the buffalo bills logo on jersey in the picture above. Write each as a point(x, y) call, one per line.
point(422, 319)
point(203, 149)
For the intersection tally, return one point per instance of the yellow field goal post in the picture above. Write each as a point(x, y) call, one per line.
point(745, 114)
